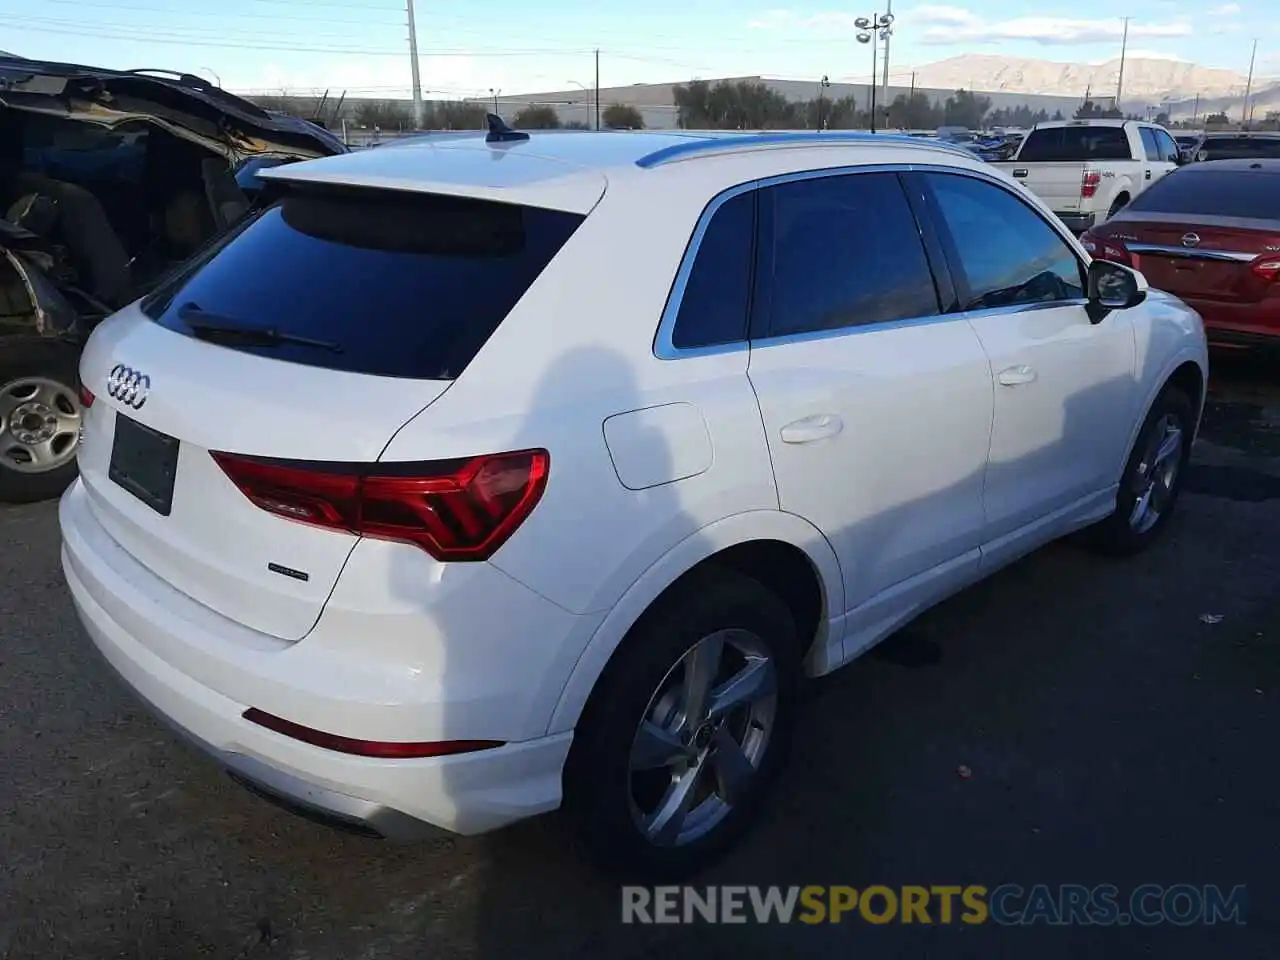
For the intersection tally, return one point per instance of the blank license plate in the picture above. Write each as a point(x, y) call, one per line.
point(144, 462)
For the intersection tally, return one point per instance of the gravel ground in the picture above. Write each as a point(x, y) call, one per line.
point(1112, 736)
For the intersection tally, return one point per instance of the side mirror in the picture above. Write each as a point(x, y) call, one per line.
point(1113, 286)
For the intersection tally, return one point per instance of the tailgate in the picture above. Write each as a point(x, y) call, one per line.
point(309, 335)
point(152, 484)
point(1057, 184)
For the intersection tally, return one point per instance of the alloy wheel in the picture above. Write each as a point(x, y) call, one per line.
point(1157, 474)
point(700, 744)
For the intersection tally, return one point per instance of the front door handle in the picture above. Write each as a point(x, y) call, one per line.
point(1016, 376)
point(818, 427)
point(1148, 174)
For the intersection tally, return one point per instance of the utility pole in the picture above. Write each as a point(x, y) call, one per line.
point(1245, 113)
point(413, 64)
point(1195, 111)
point(597, 88)
point(1124, 46)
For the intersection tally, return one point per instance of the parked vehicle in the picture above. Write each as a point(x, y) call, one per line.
point(108, 179)
point(408, 518)
point(1210, 235)
point(1187, 144)
point(1237, 146)
point(1087, 170)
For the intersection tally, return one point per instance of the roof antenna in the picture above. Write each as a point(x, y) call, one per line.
point(499, 132)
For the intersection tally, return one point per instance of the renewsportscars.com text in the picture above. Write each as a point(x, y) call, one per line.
point(1007, 904)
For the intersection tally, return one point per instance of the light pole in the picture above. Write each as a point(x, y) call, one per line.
point(1246, 114)
point(587, 91)
point(822, 86)
point(887, 35)
point(494, 93)
point(873, 30)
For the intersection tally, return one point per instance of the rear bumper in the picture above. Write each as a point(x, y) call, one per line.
point(131, 616)
point(1077, 222)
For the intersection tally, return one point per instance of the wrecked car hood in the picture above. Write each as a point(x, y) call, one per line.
point(185, 105)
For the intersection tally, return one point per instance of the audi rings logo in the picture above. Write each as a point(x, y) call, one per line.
point(128, 385)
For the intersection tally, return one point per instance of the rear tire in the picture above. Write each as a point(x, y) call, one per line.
point(1152, 478)
point(636, 753)
point(39, 418)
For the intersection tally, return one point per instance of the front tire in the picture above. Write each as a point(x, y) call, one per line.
point(1152, 478)
point(40, 417)
point(687, 729)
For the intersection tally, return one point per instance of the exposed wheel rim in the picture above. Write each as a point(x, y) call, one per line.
point(1156, 476)
point(699, 746)
point(40, 423)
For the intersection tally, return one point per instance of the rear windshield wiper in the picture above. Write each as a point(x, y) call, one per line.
point(220, 329)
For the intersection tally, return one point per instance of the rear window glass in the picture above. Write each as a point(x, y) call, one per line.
point(1249, 194)
point(388, 284)
point(1241, 148)
point(1072, 144)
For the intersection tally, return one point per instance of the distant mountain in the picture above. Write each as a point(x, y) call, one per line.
point(1146, 81)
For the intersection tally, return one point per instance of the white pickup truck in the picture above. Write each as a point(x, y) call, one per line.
point(1086, 170)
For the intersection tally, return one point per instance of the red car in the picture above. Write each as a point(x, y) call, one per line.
point(1209, 233)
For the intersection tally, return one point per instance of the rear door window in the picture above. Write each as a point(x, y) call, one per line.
point(1075, 144)
point(389, 284)
point(845, 251)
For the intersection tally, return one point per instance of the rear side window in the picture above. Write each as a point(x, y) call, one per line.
point(1202, 191)
point(717, 294)
point(389, 284)
point(846, 251)
point(1240, 148)
point(1075, 144)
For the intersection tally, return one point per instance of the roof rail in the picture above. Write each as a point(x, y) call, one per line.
point(731, 143)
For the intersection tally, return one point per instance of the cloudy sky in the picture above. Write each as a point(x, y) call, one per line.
point(523, 45)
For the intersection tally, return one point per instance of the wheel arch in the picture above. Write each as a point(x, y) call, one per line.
point(1186, 371)
point(783, 550)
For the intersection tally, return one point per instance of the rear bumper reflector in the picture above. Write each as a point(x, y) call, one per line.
point(389, 750)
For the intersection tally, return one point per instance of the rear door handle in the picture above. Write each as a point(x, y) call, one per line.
point(1016, 376)
point(818, 427)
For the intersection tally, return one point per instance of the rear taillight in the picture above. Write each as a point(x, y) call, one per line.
point(1089, 183)
point(456, 510)
point(1267, 267)
point(1106, 248)
point(86, 397)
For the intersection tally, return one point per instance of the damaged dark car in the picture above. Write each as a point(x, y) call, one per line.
point(108, 181)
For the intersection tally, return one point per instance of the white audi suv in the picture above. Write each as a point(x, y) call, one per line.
point(467, 480)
